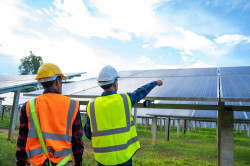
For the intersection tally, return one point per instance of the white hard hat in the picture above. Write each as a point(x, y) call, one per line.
point(107, 76)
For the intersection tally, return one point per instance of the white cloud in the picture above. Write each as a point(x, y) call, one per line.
point(183, 40)
point(184, 58)
point(11, 16)
point(200, 64)
point(143, 59)
point(231, 39)
point(69, 53)
point(112, 18)
point(123, 20)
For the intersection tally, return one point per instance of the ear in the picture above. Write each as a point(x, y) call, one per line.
point(57, 82)
point(115, 84)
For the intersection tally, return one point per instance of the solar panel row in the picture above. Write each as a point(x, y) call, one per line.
point(206, 114)
point(201, 84)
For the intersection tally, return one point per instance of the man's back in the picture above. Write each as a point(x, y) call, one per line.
point(114, 139)
point(55, 114)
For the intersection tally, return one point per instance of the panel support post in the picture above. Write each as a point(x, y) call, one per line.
point(18, 116)
point(167, 128)
point(195, 127)
point(184, 127)
point(14, 114)
point(135, 116)
point(173, 123)
point(245, 128)
point(2, 110)
point(248, 129)
point(146, 123)
point(160, 124)
point(238, 127)
point(170, 127)
point(178, 128)
point(225, 138)
point(9, 111)
point(154, 130)
point(189, 125)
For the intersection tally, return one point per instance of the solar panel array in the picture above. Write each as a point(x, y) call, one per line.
point(9, 83)
point(8, 99)
point(191, 114)
point(179, 84)
point(197, 86)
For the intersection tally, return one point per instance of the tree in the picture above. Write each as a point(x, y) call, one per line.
point(30, 64)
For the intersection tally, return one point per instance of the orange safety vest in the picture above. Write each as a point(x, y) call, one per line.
point(56, 114)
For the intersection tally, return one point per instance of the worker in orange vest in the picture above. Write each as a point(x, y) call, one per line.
point(59, 120)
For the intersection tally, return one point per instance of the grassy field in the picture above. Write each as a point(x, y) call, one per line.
point(195, 148)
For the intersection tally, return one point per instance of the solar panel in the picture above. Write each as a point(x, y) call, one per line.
point(9, 83)
point(197, 72)
point(207, 103)
point(73, 87)
point(156, 73)
point(188, 102)
point(8, 101)
point(164, 112)
point(197, 114)
point(245, 70)
point(187, 87)
point(201, 88)
point(239, 115)
point(235, 88)
point(245, 103)
point(205, 114)
point(129, 73)
point(177, 102)
point(170, 72)
point(247, 115)
point(124, 85)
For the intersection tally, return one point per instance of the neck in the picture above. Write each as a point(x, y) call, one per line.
point(109, 89)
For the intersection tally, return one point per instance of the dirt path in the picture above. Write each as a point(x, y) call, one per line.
point(5, 131)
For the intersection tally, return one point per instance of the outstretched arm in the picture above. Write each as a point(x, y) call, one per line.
point(143, 91)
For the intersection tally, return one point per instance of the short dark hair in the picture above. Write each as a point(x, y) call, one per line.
point(49, 84)
point(106, 86)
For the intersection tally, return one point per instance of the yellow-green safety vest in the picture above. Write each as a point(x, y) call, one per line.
point(113, 132)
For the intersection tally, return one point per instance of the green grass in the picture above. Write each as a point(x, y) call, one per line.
point(7, 151)
point(195, 148)
point(5, 123)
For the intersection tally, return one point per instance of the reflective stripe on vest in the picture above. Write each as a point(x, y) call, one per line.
point(38, 151)
point(117, 147)
point(97, 133)
point(57, 137)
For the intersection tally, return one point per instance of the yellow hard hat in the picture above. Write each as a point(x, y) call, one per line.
point(48, 72)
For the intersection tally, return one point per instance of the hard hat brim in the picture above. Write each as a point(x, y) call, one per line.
point(63, 76)
point(47, 79)
point(102, 83)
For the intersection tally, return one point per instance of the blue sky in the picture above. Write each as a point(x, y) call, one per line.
point(85, 35)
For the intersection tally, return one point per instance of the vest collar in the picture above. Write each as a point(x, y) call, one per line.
point(50, 90)
point(108, 93)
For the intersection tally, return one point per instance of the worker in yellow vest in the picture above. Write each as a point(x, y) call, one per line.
point(110, 123)
point(58, 119)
